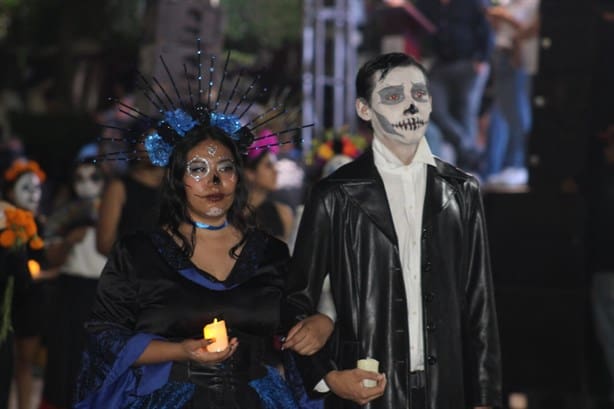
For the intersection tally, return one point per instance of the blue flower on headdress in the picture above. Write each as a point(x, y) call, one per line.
point(158, 150)
point(180, 121)
point(228, 123)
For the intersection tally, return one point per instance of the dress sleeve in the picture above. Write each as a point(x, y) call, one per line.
point(117, 293)
point(107, 377)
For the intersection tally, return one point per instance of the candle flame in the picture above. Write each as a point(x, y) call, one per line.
point(34, 268)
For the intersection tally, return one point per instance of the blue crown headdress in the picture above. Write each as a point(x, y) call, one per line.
point(176, 118)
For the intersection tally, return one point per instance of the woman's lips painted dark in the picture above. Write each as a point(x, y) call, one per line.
point(215, 197)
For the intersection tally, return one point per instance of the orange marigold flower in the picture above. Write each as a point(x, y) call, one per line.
point(21, 218)
point(36, 243)
point(7, 238)
point(30, 227)
point(21, 235)
point(10, 215)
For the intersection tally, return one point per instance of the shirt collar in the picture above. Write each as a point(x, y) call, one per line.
point(384, 157)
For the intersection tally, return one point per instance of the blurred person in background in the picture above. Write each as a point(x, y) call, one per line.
point(14, 280)
point(261, 175)
point(516, 25)
point(129, 203)
point(22, 187)
point(461, 48)
point(71, 245)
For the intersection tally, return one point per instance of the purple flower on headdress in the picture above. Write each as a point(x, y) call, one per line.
point(158, 150)
point(180, 121)
point(228, 123)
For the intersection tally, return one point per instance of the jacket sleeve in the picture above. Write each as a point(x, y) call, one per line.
point(481, 332)
point(308, 267)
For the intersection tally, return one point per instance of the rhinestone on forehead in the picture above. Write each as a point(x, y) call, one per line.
point(211, 149)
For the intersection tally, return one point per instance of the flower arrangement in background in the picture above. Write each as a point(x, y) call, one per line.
point(335, 143)
point(20, 230)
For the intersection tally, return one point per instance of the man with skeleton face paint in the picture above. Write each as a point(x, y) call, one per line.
point(401, 237)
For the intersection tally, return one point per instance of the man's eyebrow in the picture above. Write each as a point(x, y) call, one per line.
point(392, 86)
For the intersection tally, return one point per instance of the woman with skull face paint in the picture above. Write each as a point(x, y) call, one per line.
point(14, 278)
point(23, 188)
point(71, 238)
point(206, 261)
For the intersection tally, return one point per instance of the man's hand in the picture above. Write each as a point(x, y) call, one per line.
point(348, 385)
point(483, 407)
point(309, 336)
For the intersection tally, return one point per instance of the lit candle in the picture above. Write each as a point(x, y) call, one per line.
point(35, 268)
point(371, 365)
point(216, 330)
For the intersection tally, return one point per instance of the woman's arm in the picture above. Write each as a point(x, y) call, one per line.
point(187, 350)
point(287, 218)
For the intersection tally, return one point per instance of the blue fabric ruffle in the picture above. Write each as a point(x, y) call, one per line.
point(273, 391)
point(108, 379)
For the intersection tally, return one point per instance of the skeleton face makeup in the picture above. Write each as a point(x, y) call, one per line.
point(88, 182)
point(28, 191)
point(399, 107)
point(199, 168)
point(210, 181)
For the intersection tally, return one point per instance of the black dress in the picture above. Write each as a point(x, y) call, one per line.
point(14, 282)
point(150, 290)
point(268, 219)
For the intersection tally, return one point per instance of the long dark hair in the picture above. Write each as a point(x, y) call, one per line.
point(173, 207)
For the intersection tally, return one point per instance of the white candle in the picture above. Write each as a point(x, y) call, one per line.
point(371, 365)
point(216, 330)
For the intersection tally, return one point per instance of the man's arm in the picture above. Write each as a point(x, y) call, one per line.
point(482, 335)
point(308, 267)
point(483, 34)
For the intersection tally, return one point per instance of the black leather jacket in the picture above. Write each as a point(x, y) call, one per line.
point(347, 232)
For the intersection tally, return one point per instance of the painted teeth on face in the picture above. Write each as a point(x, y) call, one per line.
point(411, 123)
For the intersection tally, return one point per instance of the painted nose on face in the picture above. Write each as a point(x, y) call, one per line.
point(411, 110)
point(216, 179)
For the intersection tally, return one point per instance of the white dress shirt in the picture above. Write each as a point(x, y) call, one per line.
point(405, 187)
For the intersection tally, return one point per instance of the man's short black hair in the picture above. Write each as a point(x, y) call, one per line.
point(365, 81)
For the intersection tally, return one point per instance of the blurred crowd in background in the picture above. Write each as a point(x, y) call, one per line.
point(481, 58)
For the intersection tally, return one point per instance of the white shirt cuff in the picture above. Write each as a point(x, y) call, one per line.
point(322, 387)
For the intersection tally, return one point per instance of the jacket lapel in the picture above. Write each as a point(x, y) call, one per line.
point(438, 193)
point(366, 189)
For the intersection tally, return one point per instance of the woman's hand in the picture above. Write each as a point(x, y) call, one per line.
point(309, 335)
point(196, 350)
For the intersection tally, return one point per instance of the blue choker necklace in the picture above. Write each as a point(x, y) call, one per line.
point(200, 225)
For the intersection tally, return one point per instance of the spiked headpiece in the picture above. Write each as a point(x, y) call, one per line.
point(177, 117)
